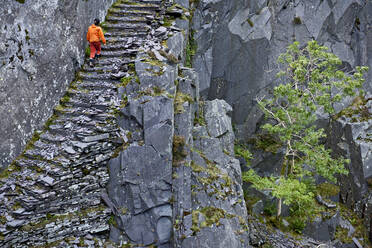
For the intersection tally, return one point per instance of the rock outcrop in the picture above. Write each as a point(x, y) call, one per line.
point(238, 43)
point(175, 183)
point(42, 45)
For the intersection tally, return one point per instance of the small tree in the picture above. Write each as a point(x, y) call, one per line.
point(314, 83)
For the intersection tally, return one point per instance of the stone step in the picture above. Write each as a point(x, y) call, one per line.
point(137, 6)
point(118, 36)
point(157, 2)
point(126, 19)
point(47, 137)
point(81, 104)
point(92, 96)
point(78, 121)
point(41, 153)
point(119, 54)
point(83, 122)
point(70, 123)
point(119, 41)
point(102, 67)
point(126, 27)
point(109, 62)
point(129, 44)
point(130, 13)
point(89, 85)
point(77, 111)
point(94, 76)
point(51, 167)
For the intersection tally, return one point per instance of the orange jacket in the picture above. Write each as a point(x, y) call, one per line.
point(95, 34)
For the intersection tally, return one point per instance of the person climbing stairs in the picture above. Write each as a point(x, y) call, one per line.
point(51, 194)
point(94, 37)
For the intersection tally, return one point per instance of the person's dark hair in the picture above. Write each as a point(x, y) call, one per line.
point(96, 21)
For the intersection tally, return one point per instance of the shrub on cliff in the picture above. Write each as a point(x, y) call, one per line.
point(314, 83)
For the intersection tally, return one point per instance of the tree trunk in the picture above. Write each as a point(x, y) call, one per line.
point(279, 207)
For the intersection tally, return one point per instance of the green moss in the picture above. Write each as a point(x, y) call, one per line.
point(250, 22)
point(342, 235)
point(250, 200)
point(31, 142)
point(131, 67)
point(358, 224)
point(125, 81)
point(297, 224)
point(154, 62)
point(191, 49)
point(357, 111)
point(3, 220)
point(168, 21)
point(87, 52)
point(266, 142)
point(171, 58)
point(60, 108)
point(195, 221)
point(369, 182)
point(112, 221)
point(297, 20)
point(179, 151)
point(199, 120)
point(212, 216)
point(50, 121)
point(241, 150)
point(194, 2)
point(7, 172)
point(180, 99)
point(49, 218)
point(327, 189)
point(197, 168)
point(65, 99)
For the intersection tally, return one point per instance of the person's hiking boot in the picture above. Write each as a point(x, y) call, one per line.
point(91, 63)
point(97, 56)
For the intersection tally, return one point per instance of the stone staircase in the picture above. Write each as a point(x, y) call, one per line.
point(51, 195)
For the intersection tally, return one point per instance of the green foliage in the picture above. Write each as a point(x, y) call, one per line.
point(242, 151)
point(191, 48)
point(313, 84)
point(297, 224)
point(266, 142)
point(179, 151)
point(270, 209)
point(87, 52)
point(125, 81)
point(297, 20)
point(327, 190)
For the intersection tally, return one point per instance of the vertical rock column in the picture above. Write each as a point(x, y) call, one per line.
point(141, 176)
point(186, 106)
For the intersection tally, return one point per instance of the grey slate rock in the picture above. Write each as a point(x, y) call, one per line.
point(96, 138)
point(164, 229)
point(15, 223)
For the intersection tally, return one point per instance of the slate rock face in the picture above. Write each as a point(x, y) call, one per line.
point(42, 46)
point(239, 42)
point(209, 208)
